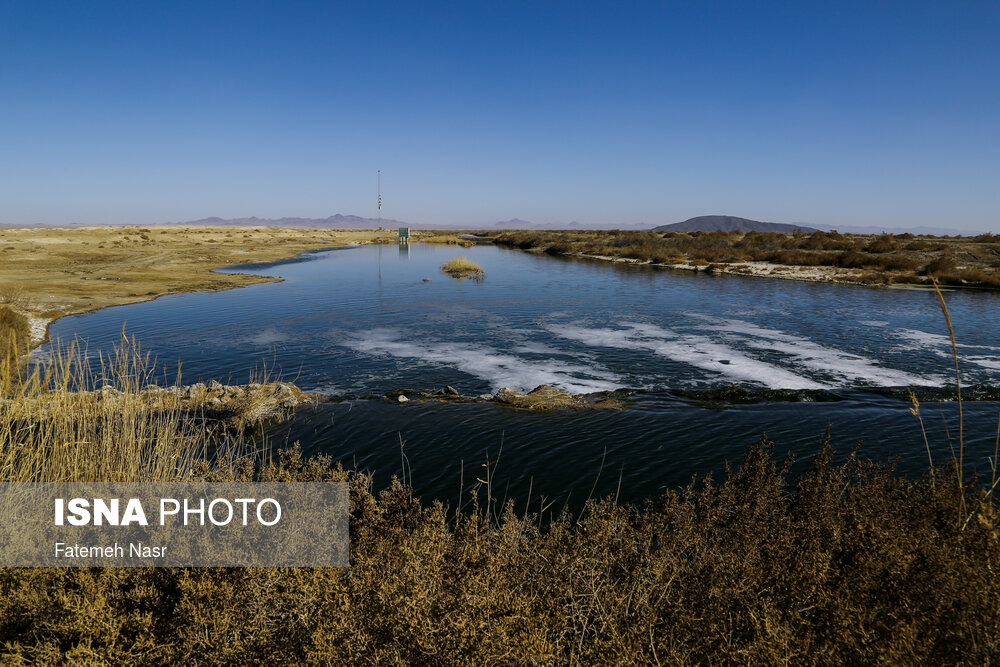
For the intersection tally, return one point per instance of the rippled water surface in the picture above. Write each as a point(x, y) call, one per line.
point(364, 321)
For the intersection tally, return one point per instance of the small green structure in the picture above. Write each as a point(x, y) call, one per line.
point(404, 234)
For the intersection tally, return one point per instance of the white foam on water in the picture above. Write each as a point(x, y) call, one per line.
point(938, 342)
point(940, 345)
point(991, 363)
point(843, 364)
point(702, 352)
point(328, 389)
point(923, 339)
point(536, 348)
point(814, 356)
point(698, 351)
point(268, 336)
point(497, 368)
point(649, 330)
point(874, 323)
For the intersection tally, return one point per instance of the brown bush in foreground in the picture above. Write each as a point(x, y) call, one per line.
point(848, 564)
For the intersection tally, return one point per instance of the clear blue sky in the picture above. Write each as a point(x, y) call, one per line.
point(866, 113)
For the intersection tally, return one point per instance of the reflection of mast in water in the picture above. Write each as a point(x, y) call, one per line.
point(379, 226)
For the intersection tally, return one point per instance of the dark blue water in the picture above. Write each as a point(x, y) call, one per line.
point(365, 321)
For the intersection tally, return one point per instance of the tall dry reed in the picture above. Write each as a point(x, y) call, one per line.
point(52, 428)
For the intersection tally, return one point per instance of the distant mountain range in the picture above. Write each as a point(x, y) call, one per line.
point(929, 231)
point(337, 221)
point(730, 223)
point(515, 223)
point(518, 223)
point(701, 223)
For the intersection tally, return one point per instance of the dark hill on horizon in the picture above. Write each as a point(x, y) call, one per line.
point(729, 223)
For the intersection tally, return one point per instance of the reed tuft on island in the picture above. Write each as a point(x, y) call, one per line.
point(462, 267)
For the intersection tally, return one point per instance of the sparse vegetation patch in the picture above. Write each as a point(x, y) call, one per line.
point(462, 267)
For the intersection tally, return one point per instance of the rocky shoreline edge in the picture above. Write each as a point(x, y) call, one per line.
point(241, 405)
point(542, 397)
point(273, 400)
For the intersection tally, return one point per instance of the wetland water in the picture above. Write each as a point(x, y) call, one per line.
point(364, 321)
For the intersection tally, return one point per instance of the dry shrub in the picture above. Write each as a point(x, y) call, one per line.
point(975, 276)
point(897, 262)
point(851, 259)
point(13, 294)
point(827, 241)
point(798, 257)
point(940, 265)
point(15, 338)
point(759, 242)
point(968, 277)
point(883, 243)
point(847, 564)
point(982, 278)
point(891, 262)
point(559, 248)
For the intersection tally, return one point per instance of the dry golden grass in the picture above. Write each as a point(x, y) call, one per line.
point(442, 237)
point(72, 418)
point(52, 429)
point(13, 294)
point(14, 335)
point(462, 267)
